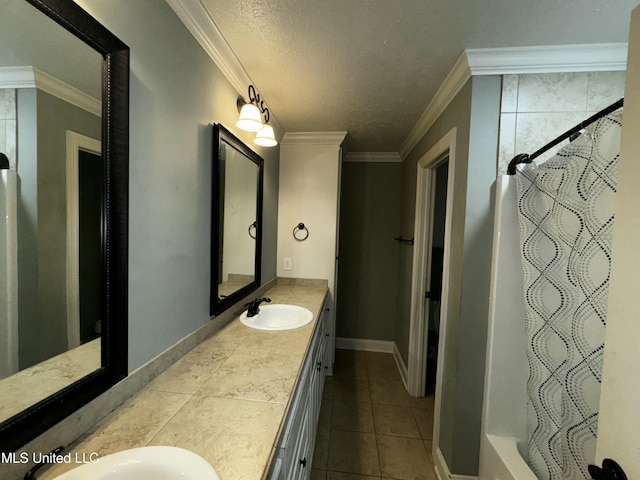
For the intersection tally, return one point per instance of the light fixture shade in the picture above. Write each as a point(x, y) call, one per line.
point(265, 137)
point(249, 120)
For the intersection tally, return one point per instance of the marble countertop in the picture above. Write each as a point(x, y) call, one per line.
point(226, 400)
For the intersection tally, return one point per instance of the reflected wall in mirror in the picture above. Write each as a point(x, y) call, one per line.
point(236, 236)
point(63, 213)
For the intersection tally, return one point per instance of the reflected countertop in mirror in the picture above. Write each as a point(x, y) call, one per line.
point(47, 377)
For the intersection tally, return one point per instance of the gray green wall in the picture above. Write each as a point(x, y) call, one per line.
point(370, 201)
point(177, 92)
point(42, 220)
point(55, 117)
point(378, 204)
point(475, 114)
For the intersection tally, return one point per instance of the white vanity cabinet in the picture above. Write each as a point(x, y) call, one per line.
point(295, 451)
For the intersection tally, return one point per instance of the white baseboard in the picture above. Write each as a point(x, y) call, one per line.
point(442, 470)
point(365, 345)
point(402, 367)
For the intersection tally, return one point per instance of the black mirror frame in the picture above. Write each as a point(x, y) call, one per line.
point(33, 421)
point(221, 134)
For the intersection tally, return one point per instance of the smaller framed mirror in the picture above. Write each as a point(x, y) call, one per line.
point(236, 220)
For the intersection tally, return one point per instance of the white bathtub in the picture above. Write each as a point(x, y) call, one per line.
point(502, 459)
point(504, 420)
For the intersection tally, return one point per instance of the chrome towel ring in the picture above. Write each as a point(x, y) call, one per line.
point(299, 236)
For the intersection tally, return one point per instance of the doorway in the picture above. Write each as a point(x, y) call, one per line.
point(432, 232)
point(90, 222)
point(85, 220)
point(433, 295)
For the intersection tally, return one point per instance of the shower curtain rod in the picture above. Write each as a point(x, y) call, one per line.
point(526, 158)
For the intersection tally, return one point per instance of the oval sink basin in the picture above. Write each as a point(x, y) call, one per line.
point(157, 463)
point(278, 317)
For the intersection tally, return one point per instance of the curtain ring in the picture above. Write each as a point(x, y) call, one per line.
point(253, 225)
point(299, 228)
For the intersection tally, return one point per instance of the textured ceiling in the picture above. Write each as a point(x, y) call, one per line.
point(36, 40)
point(370, 67)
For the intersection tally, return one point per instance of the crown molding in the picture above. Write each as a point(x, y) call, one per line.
point(30, 77)
point(204, 29)
point(17, 77)
point(453, 83)
point(603, 57)
point(373, 157)
point(194, 15)
point(313, 138)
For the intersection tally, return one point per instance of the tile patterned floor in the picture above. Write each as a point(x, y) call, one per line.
point(370, 427)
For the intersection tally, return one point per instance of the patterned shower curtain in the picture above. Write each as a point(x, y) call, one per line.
point(566, 214)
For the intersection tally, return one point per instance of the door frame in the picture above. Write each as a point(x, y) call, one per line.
point(74, 143)
point(418, 330)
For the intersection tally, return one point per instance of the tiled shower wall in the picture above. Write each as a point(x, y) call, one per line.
point(536, 108)
point(8, 126)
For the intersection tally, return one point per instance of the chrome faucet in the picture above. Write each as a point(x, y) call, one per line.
point(254, 306)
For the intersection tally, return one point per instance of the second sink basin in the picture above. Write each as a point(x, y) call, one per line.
point(157, 463)
point(278, 317)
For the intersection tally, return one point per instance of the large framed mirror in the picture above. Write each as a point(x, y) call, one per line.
point(236, 220)
point(64, 96)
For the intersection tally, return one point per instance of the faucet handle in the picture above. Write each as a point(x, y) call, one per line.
point(254, 306)
point(258, 301)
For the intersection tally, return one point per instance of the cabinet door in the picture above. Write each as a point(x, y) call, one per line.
point(277, 473)
point(329, 337)
point(296, 448)
point(315, 390)
point(301, 461)
point(295, 421)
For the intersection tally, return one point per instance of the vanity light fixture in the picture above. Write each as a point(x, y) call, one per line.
point(251, 118)
point(265, 137)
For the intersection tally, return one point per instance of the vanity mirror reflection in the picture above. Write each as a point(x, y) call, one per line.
point(63, 237)
point(236, 233)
